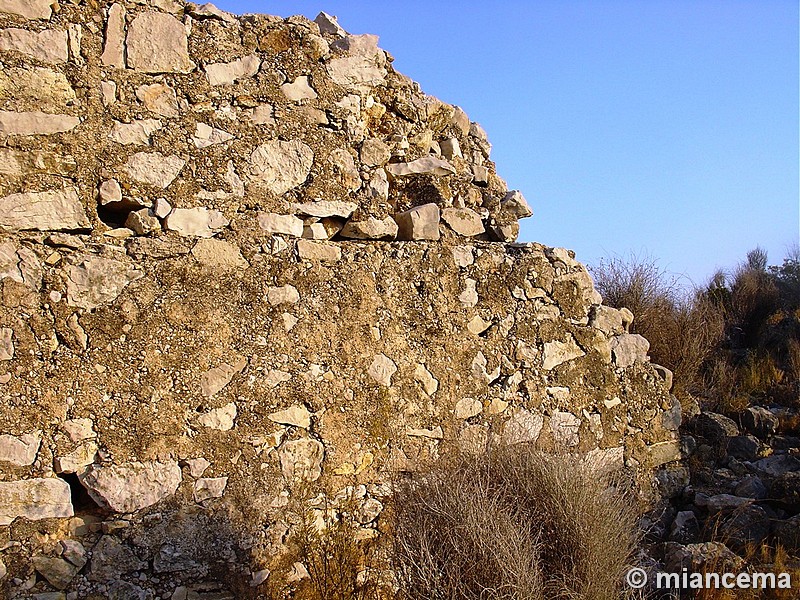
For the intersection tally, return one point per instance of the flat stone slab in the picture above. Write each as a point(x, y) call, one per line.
point(34, 499)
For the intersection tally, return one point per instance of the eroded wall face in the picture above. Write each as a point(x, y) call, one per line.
point(204, 331)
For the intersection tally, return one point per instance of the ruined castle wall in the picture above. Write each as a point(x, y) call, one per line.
point(242, 263)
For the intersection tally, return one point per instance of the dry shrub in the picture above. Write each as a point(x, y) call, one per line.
point(512, 524)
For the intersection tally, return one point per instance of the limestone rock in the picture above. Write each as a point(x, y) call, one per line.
point(58, 572)
point(344, 169)
point(131, 486)
point(221, 255)
point(35, 123)
point(223, 418)
point(75, 461)
point(451, 148)
point(564, 427)
point(328, 24)
point(281, 224)
point(382, 369)
point(206, 136)
point(558, 352)
point(426, 379)
point(79, 429)
point(46, 211)
point(6, 345)
point(21, 450)
point(38, 87)
point(629, 348)
point(301, 459)
point(111, 559)
point(374, 153)
point(468, 407)
point(97, 281)
point(296, 415)
point(228, 73)
point(504, 232)
point(34, 499)
point(114, 48)
point(213, 380)
point(285, 294)
point(136, 132)
point(142, 222)
point(48, 46)
point(110, 191)
point(363, 67)
point(522, 427)
point(196, 222)
point(17, 163)
point(30, 9)
point(371, 228)
point(208, 488)
point(280, 165)
point(427, 165)
point(298, 90)
point(158, 98)
point(606, 319)
point(463, 221)
point(157, 43)
point(325, 208)
point(477, 325)
point(419, 223)
point(515, 203)
point(318, 251)
point(153, 168)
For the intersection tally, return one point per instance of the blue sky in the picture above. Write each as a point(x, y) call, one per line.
point(659, 127)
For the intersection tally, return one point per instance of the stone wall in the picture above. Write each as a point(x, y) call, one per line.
point(247, 269)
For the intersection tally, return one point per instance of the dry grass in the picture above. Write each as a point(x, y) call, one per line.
point(512, 524)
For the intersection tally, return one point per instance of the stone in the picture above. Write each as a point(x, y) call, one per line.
point(715, 428)
point(364, 67)
point(111, 559)
point(378, 185)
point(663, 452)
point(558, 352)
point(58, 572)
point(308, 250)
point(158, 43)
point(136, 132)
point(281, 166)
point(426, 379)
point(206, 136)
point(114, 47)
point(418, 223)
point(370, 228)
point(301, 459)
point(785, 489)
point(751, 486)
point(480, 175)
point(432, 434)
point(777, 465)
point(329, 25)
point(297, 416)
point(79, 429)
point(125, 590)
point(206, 489)
point(215, 379)
point(45, 89)
point(564, 426)
point(74, 552)
point(467, 407)
point(685, 527)
point(35, 123)
point(695, 557)
point(220, 255)
point(161, 208)
point(197, 466)
point(504, 232)
point(6, 345)
point(30, 9)
point(75, 461)
point(759, 421)
point(462, 256)
point(298, 90)
point(450, 148)
point(463, 221)
point(34, 499)
point(629, 348)
point(142, 222)
point(108, 92)
point(477, 325)
point(195, 222)
point(368, 511)
point(374, 153)
point(606, 319)
point(110, 191)
point(522, 427)
point(97, 281)
point(672, 479)
point(20, 450)
point(344, 169)
point(280, 224)
point(720, 502)
point(743, 447)
point(44, 211)
point(427, 165)
point(132, 486)
point(153, 168)
point(515, 203)
point(223, 418)
point(49, 46)
point(229, 73)
point(158, 98)
point(382, 369)
point(787, 534)
point(285, 294)
point(747, 525)
point(16, 163)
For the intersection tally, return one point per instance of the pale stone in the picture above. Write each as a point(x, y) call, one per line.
point(325, 208)
point(301, 459)
point(158, 98)
point(213, 380)
point(228, 73)
point(196, 222)
point(460, 120)
point(629, 348)
point(522, 427)
point(363, 69)
point(627, 318)
point(79, 429)
point(605, 459)
point(606, 319)
point(219, 254)
point(57, 571)
point(6, 343)
point(515, 203)
point(286, 294)
point(275, 377)
point(197, 466)
point(298, 90)
point(419, 223)
point(468, 407)
point(382, 369)
point(564, 427)
point(47, 90)
point(111, 559)
point(318, 251)
point(110, 191)
point(451, 148)
point(663, 452)
point(45, 211)
point(374, 153)
point(280, 165)
point(142, 222)
point(48, 46)
point(296, 415)
point(432, 434)
point(21, 450)
point(281, 224)
point(161, 208)
point(153, 168)
point(378, 185)
point(75, 38)
point(262, 115)
point(328, 24)
point(114, 48)
point(477, 325)
point(206, 136)
point(558, 352)
point(208, 10)
point(426, 379)
point(221, 419)
point(469, 297)
point(206, 489)
point(97, 281)
point(463, 256)
point(17, 163)
point(157, 43)
point(289, 321)
point(34, 499)
point(30, 9)
point(463, 221)
point(427, 165)
point(344, 169)
point(131, 486)
point(35, 123)
point(504, 232)
point(136, 132)
point(75, 461)
point(371, 228)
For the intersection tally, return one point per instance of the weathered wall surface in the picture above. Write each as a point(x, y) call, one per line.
point(201, 327)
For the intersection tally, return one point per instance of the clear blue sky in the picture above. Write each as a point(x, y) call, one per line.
point(665, 127)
